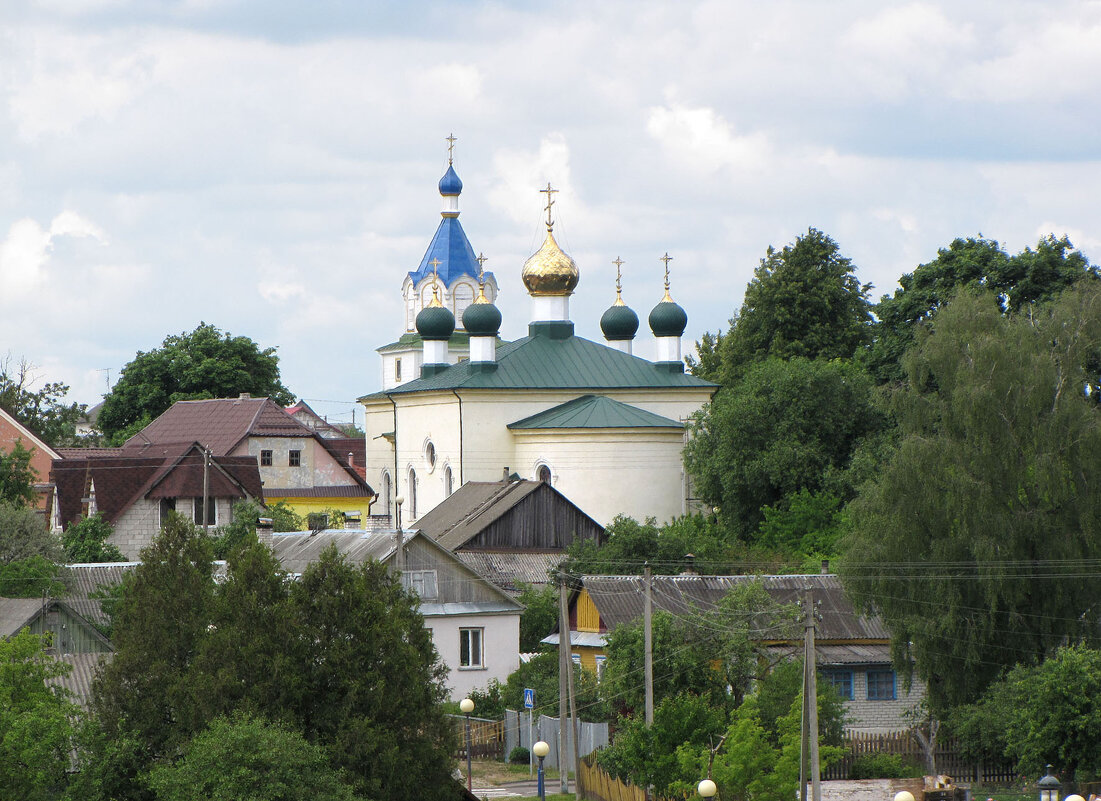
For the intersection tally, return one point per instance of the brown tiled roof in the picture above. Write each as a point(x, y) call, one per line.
point(341, 447)
point(87, 453)
point(220, 423)
point(619, 599)
point(167, 471)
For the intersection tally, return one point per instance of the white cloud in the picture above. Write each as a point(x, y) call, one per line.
point(703, 140)
point(25, 251)
point(517, 174)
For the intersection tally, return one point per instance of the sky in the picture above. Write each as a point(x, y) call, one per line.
point(271, 166)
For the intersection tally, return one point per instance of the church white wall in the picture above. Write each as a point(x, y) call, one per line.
point(378, 419)
point(610, 471)
point(431, 418)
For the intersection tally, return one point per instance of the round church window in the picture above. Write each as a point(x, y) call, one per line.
point(430, 455)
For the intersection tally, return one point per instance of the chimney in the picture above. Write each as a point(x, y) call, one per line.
point(244, 396)
point(689, 565)
point(351, 459)
point(264, 531)
point(825, 567)
point(504, 475)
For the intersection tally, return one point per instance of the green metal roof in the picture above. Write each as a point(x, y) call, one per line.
point(548, 359)
point(414, 340)
point(595, 411)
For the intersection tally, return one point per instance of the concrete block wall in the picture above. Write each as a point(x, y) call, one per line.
point(881, 716)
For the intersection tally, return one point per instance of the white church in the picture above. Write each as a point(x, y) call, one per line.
point(603, 426)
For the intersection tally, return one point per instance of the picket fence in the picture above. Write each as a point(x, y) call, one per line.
point(948, 754)
point(596, 785)
point(487, 738)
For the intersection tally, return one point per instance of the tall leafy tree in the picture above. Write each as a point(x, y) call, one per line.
point(804, 300)
point(204, 363)
point(85, 540)
point(42, 410)
point(963, 541)
point(1032, 276)
point(786, 426)
point(17, 477)
point(36, 720)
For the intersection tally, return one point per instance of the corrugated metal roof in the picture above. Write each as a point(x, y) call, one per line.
point(838, 655)
point(508, 569)
point(81, 581)
point(15, 613)
point(468, 510)
point(348, 491)
point(540, 361)
point(595, 411)
point(297, 550)
point(585, 639)
point(469, 608)
point(79, 681)
point(619, 599)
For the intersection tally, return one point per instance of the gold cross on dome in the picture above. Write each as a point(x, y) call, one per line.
point(618, 274)
point(550, 202)
point(666, 258)
point(450, 147)
point(481, 269)
point(435, 276)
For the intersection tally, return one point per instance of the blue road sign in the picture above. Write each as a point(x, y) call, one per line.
point(529, 698)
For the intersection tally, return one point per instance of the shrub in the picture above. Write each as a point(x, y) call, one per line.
point(519, 755)
point(882, 766)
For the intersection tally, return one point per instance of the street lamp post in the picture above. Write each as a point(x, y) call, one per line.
point(1049, 787)
point(707, 789)
point(541, 749)
point(466, 706)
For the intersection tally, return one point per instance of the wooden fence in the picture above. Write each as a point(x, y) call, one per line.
point(949, 758)
point(596, 785)
point(487, 738)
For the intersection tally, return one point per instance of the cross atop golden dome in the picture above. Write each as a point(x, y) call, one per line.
point(550, 271)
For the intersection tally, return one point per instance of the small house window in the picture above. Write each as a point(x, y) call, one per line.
point(840, 680)
point(397, 369)
point(470, 648)
point(576, 659)
point(881, 685)
point(265, 458)
point(423, 583)
point(600, 660)
point(211, 512)
point(543, 474)
point(294, 458)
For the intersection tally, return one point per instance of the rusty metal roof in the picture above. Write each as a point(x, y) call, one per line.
point(509, 569)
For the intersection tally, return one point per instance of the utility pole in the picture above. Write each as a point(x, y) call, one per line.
point(648, 645)
point(564, 668)
point(810, 707)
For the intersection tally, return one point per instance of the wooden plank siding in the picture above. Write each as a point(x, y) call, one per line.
point(455, 582)
point(540, 522)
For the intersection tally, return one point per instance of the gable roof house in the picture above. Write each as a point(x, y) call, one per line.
point(12, 432)
point(475, 625)
point(297, 465)
point(852, 650)
point(511, 531)
point(135, 489)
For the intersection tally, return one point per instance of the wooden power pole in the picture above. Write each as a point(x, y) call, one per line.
point(565, 665)
point(648, 645)
point(809, 751)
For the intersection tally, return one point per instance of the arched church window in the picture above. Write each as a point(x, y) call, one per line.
point(448, 481)
point(464, 296)
point(412, 494)
point(543, 474)
point(385, 494)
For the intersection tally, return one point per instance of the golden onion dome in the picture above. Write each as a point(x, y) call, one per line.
point(550, 271)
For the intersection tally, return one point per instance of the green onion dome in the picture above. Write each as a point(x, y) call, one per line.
point(619, 322)
point(667, 319)
point(482, 319)
point(435, 322)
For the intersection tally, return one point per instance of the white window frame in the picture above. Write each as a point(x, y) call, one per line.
point(469, 637)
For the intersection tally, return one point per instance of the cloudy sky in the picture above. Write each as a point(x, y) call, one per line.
point(270, 166)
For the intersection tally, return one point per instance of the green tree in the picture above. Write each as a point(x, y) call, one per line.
point(539, 617)
point(996, 469)
point(786, 426)
point(248, 759)
point(1041, 714)
point(808, 524)
point(1032, 276)
point(804, 301)
point(36, 720)
point(540, 673)
point(32, 577)
point(23, 534)
point(43, 410)
point(204, 363)
point(17, 477)
point(86, 541)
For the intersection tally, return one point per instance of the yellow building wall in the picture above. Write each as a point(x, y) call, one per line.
point(588, 618)
point(304, 506)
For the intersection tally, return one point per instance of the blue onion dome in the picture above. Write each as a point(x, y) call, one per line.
point(667, 319)
point(435, 322)
point(619, 322)
point(482, 319)
point(450, 183)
